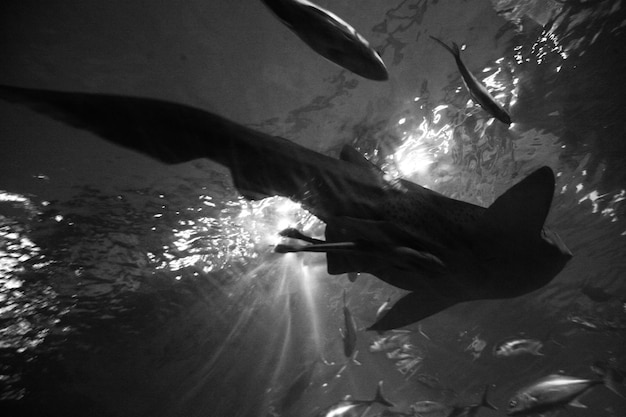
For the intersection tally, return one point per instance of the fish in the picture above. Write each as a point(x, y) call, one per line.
point(476, 89)
point(427, 407)
point(518, 347)
point(383, 307)
point(442, 250)
point(330, 36)
point(597, 294)
point(349, 334)
point(556, 391)
point(392, 341)
point(350, 408)
point(296, 389)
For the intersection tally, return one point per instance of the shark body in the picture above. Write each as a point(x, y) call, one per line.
point(444, 251)
point(330, 36)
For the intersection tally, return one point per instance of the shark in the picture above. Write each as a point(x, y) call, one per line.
point(330, 36)
point(443, 251)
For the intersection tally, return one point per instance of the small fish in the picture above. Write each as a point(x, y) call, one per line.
point(426, 407)
point(330, 36)
point(477, 91)
point(296, 389)
point(392, 341)
point(556, 391)
point(476, 347)
point(384, 307)
point(399, 353)
point(597, 294)
point(518, 347)
point(350, 408)
point(349, 334)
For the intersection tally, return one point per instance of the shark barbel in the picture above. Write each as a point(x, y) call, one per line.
point(444, 251)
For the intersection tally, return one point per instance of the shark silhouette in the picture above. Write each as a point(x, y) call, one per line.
point(444, 251)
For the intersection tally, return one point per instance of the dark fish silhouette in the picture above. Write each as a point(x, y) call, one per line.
point(445, 251)
point(349, 333)
point(477, 91)
point(331, 37)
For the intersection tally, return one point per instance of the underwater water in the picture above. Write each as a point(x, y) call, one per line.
point(133, 288)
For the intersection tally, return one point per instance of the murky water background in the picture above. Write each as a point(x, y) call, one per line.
point(130, 288)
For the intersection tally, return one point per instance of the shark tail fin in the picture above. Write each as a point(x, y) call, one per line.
point(454, 50)
point(380, 398)
point(484, 402)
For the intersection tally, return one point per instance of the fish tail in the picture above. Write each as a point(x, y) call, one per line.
point(380, 398)
point(484, 402)
point(610, 380)
point(454, 50)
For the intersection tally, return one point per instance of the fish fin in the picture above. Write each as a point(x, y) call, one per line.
point(454, 50)
point(377, 246)
point(611, 381)
point(484, 402)
point(523, 208)
point(380, 398)
point(378, 234)
point(576, 403)
point(411, 308)
point(349, 154)
point(294, 233)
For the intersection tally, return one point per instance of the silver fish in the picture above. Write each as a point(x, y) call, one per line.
point(353, 408)
point(443, 251)
point(518, 347)
point(555, 391)
point(330, 36)
point(427, 407)
point(477, 90)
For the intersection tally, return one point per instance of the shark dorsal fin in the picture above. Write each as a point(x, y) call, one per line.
point(524, 207)
point(349, 154)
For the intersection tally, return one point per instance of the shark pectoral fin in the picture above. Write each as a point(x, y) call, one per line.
point(349, 154)
point(411, 308)
point(381, 246)
point(293, 233)
point(415, 259)
point(377, 233)
point(523, 208)
point(318, 247)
